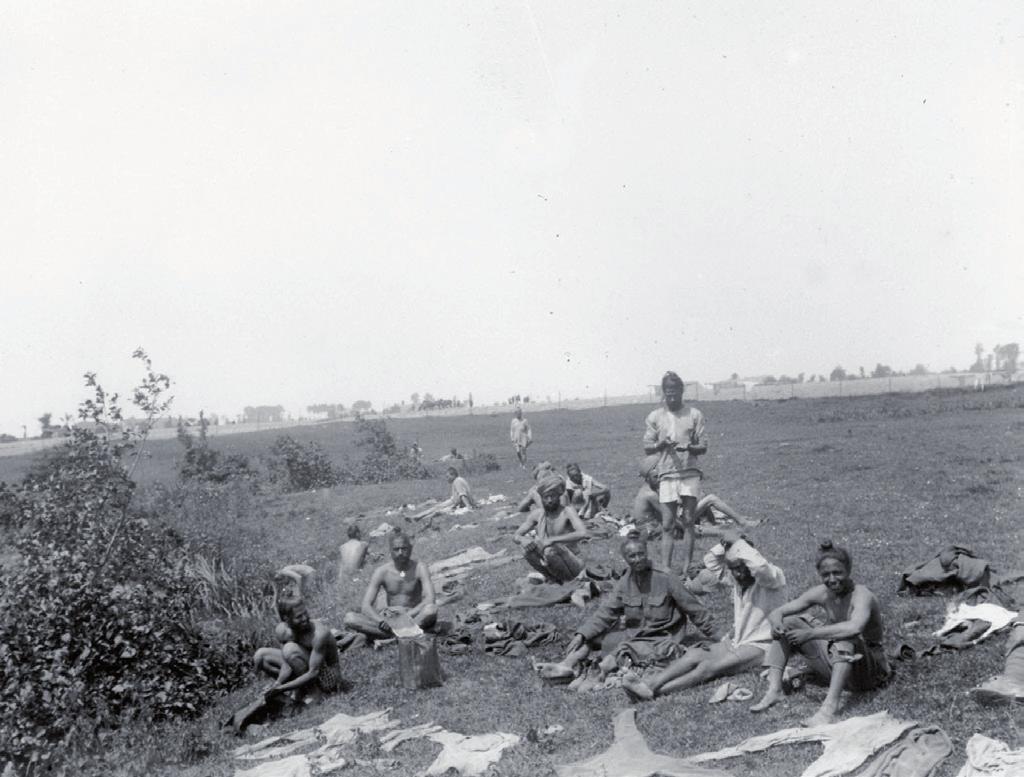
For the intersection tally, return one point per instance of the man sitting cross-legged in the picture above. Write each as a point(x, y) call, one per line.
point(758, 587)
point(585, 493)
point(558, 529)
point(406, 584)
point(307, 661)
point(656, 609)
point(846, 650)
point(532, 499)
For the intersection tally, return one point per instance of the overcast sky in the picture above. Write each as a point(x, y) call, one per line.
point(296, 203)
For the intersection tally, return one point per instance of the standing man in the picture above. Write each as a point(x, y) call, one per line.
point(521, 436)
point(677, 433)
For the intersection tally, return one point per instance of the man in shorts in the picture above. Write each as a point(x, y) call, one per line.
point(845, 649)
point(521, 436)
point(676, 432)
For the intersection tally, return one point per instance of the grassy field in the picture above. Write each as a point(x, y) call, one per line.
point(893, 478)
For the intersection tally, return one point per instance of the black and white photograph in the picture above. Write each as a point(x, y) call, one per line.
point(512, 389)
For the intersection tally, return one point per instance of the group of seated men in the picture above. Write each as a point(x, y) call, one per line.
point(640, 624)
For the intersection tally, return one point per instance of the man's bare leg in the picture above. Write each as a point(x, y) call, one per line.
point(778, 656)
point(829, 709)
point(668, 523)
point(711, 500)
point(687, 505)
point(774, 694)
point(718, 663)
point(574, 657)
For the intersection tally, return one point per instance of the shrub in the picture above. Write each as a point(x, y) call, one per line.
point(98, 618)
point(478, 463)
point(201, 462)
point(384, 459)
point(298, 467)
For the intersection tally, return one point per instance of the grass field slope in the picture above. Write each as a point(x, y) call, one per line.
point(893, 478)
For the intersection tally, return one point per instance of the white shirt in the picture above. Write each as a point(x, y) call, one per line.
point(750, 607)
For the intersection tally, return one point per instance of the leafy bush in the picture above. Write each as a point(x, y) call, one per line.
point(384, 459)
point(298, 467)
point(478, 463)
point(98, 617)
point(201, 462)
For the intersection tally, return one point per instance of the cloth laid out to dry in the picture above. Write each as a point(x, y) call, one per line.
point(991, 758)
point(917, 754)
point(458, 566)
point(954, 567)
point(340, 729)
point(1008, 686)
point(540, 594)
point(513, 638)
point(848, 743)
point(469, 755)
point(629, 756)
point(995, 616)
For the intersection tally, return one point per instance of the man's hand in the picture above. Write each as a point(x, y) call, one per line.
point(667, 444)
point(524, 541)
point(384, 626)
point(798, 636)
point(728, 537)
point(575, 644)
point(540, 543)
point(272, 693)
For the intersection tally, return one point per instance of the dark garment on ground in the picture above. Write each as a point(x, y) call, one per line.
point(513, 638)
point(917, 754)
point(954, 567)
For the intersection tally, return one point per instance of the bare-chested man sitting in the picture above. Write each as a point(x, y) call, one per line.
point(408, 590)
point(307, 661)
point(558, 529)
point(532, 499)
point(846, 649)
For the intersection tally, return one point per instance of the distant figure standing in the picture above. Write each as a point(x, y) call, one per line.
point(521, 436)
point(677, 433)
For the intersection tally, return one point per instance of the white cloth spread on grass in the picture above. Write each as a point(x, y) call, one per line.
point(294, 766)
point(338, 730)
point(275, 747)
point(393, 739)
point(470, 755)
point(629, 756)
point(458, 566)
point(998, 616)
point(848, 743)
point(991, 758)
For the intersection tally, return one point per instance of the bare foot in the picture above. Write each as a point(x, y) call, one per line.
point(636, 687)
point(820, 718)
point(748, 523)
point(770, 699)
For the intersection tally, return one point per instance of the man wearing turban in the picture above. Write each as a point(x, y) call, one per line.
point(557, 528)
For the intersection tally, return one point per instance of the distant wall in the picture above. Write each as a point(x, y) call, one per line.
point(694, 392)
